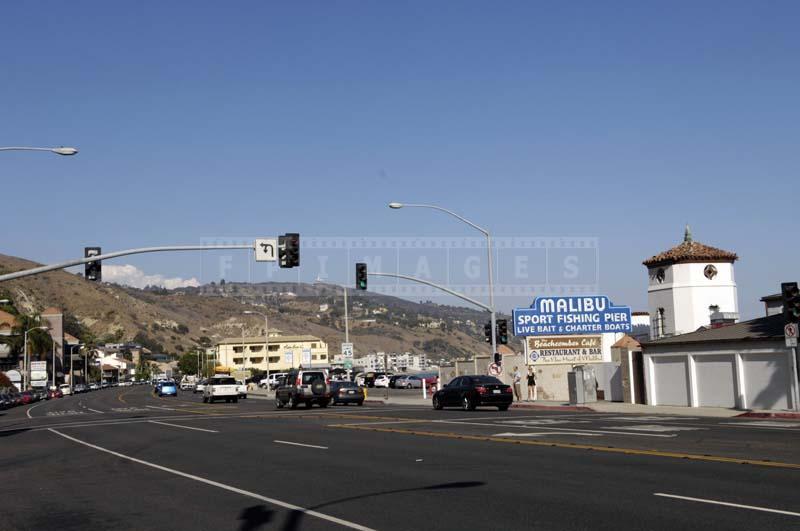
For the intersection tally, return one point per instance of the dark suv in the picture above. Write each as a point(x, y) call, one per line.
point(303, 387)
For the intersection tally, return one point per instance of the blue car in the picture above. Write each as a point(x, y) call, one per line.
point(167, 389)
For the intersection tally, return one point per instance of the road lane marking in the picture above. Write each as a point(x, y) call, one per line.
point(159, 407)
point(574, 446)
point(28, 411)
point(93, 410)
point(540, 434)
point(180, 426)
point(301, 444)
point(727, 504)
point(653, 427)
point(498, 424)
point(273, 501)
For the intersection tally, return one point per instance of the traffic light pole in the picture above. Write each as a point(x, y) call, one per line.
point(115, 254)
point(437, 286)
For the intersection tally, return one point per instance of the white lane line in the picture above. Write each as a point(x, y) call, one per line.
point(727, 504)
point(159, 407)
point(93, 410)
point(273, 501)
point(503, 424)
point(301, 444)
point(180, 426)
point(540, 434)
point(28, 411)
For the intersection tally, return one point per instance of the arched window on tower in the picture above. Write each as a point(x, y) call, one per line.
point(658, 324)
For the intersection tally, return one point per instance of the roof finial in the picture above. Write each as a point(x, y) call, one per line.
point(687, 234)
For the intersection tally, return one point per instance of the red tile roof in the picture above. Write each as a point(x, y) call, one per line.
point(691, 251)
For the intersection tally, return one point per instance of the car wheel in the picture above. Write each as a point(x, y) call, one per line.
point(308, 404)
point(503, 408)
point(361, 403)
point(436, 403)
point(467, 404)
point(205, 400)
point(278, 403)
point(409, 386)
point(323, 403)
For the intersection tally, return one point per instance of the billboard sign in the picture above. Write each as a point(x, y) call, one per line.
point(564, 350)
point(556, 316)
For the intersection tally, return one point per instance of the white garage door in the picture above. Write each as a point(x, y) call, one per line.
point(766, 381)
point(716, 380)
point(671, 380)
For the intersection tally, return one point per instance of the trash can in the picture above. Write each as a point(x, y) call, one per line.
point(581, 382)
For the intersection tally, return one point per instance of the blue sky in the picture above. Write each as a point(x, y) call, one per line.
point(619, 121)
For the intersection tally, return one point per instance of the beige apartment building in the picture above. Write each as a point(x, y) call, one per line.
point(285, 352)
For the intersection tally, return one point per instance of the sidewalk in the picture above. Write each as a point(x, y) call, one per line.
point(378, 397)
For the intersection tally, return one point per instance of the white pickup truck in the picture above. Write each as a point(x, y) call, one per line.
point(221, 388)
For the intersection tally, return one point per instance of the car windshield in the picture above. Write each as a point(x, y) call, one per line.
point(483, 380)
point(311, 377)
point(346, 384)
point(224, 381)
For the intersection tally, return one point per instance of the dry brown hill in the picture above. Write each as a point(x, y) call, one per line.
point(178, 319)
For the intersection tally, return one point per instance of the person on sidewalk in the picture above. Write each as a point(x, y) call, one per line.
point(531, 384)
point(516, 378)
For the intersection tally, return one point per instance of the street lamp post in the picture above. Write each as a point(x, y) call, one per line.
point(488, 251)
point(71, 369)
point(266, 337)
point(26, 358)
point(66, 151)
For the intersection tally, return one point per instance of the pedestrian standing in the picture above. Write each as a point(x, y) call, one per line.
point(516, 378)
point(531, 384)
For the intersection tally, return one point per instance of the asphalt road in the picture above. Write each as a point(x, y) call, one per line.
point(124, 459)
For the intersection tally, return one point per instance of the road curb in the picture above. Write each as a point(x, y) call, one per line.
point(374, 402)
point(551, 408)
point(767, 415)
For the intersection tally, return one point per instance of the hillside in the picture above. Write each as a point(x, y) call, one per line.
point(175, 321)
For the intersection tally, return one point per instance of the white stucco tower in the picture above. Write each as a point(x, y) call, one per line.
point(687, 284)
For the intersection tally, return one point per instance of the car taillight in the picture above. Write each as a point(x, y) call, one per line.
point(508, 389)
point(297, 382)
point(481, 390)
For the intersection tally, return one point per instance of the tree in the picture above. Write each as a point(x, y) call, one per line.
point(39, 341)
point(187, 363)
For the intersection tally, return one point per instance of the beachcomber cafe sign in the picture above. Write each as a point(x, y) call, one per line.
point(561, 350)
point(558, 316)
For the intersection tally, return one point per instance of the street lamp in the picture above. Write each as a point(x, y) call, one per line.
point(397, 206)
point(266, 336)
point(66, 151)
point(71, 369)
point(25, 357)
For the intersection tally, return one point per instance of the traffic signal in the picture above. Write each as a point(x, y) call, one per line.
point(361, 275)
point(487, 332)
point(498, 359)
point(502, 331)
point(289, 250)
point(92, 270)
point(791, 302)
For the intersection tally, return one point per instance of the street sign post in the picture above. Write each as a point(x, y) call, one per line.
point(790, 334)
point(347, 354)
point(266, 249)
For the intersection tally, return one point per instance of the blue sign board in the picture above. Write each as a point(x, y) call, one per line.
point(558, 316)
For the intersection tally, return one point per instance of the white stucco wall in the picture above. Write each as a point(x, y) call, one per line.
point(686, 295)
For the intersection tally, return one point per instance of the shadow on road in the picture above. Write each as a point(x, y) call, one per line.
point(295, 517)
point(12, 431)
point(254, 517)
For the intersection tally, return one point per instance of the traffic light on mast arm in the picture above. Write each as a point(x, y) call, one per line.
point(502, 331)
point(487, 332)
point(361, 275)
point(93, 270)
point(791, 302)
point(289, 250)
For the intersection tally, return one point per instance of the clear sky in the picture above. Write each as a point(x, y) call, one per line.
point(619, 121)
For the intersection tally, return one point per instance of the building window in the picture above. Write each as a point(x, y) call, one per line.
point(323, 357)
point(238, 350)
point(314, 357)
point(256, 348)
point(237, 361)
point(274, 348)
point(659, 324)
point(274, 359)
point(313, 345)
point(710, 272)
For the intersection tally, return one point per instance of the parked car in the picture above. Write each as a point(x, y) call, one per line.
point(360, 379)
point(28, 397)
point(469, 392)
point(221, 387)
point(409, 381)
point(64, 388)
point(382, 380)
point(167, 389)
point(93, 387)
point(55, 393)
point(241, 388)
point(304, 387)
point(271, 382)
point(346, 393)
point(199, 386)
point(393, 380)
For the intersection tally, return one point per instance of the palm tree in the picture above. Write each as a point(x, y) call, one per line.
point(39, 341)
